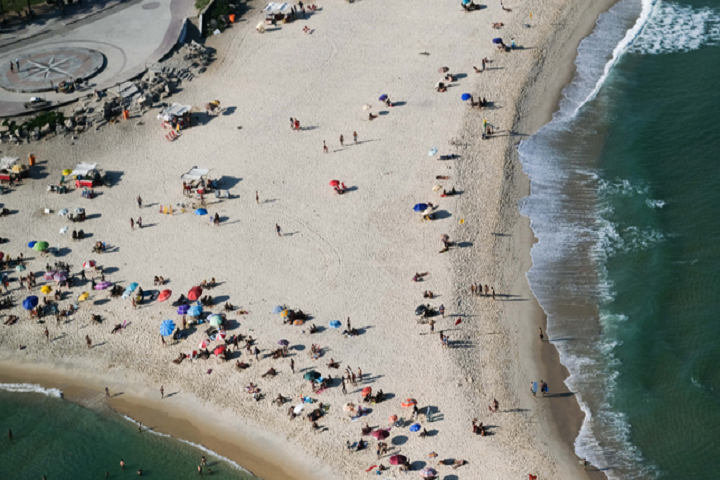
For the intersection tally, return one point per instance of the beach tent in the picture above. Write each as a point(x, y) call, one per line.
point(273, 7)
point(176, 110)
point(195, 174)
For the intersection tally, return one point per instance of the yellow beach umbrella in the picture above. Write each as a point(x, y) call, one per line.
point(46, 289)
point(17, 168)
point(284, 313)
point(84, 296)
point(67, 171)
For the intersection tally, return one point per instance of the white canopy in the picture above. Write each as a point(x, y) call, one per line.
point(83, 169)
point(276, 7)
point(194, 174)
point(175, 110)
point(8, 162)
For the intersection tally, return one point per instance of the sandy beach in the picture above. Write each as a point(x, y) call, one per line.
point(339, 256)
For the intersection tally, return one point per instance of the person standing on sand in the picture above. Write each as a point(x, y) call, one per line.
point(432, 325)
point(139, 201)
point(132, 224)
point(487, 290)
point(257, 198)
point(292, 123)
point(532, 389)
point(139, 222)
point(277, 229)
point(472, 289)
point(355, 137)
point(495, 405)
point(542, 337)
point(342, 141)
point(325, 148)
point(162, 392)
point(442, 310)
point(88, 341)
point(292, 365)
point(348, 324)
point(359, 374)
point(344, 388)
point(107, 392)
point(493, 293)
point(47, 335)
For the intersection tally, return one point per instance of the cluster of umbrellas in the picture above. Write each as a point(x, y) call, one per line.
point(65, 211)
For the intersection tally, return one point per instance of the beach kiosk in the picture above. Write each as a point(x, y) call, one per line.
point(11, 168)
point(86, 175)
point(176, 116)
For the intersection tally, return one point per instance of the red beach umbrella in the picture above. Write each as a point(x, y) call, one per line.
point(409, 403)
point(457, 322)
point(398, 460)
point(380, 434)
point(366, 391)
point(164, 295)
point(334, 183)
point(219, 350)
point(194, 293)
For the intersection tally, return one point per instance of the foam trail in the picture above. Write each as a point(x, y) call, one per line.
point(195, 445)
point(625, 43)
point(30, 388)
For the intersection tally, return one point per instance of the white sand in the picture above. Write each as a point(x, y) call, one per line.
point(342, 256)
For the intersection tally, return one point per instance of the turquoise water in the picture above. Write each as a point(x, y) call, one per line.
point(625, 192)
point(62, 440)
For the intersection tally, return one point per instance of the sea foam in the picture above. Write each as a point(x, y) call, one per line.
point(30, 388)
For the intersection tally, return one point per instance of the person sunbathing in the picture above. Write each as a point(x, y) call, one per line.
point(280, 399)
point(366, 429)
point(12, 320)
point(116, 328)
point(241, 365)
point(333, 364)
point(313, 328)
point(228, 307)
point(371, 116)
point(270, 372)
point(497, 25)
point(428, 294)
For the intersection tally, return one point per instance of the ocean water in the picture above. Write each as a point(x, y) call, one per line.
point(62, 440)
point(625, 189)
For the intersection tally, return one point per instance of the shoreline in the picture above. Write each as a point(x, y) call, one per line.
point(188, 419)
point(564, 417)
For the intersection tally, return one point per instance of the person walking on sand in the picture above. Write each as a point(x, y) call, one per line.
point(292, 123)
point(495, 405)
point(292, 365)
point(432, 325)
point(472, 289)
point(487, 290)
point(344, 387)
point(277, 229)
point(325, 149)
point(257, 197)
point(542, 337)
point(493, 292)
point(47, 335)
point(132, 224)
point(139, 201)
point(359, 374)
point(348, 324)
point(139, 222)
point(162, 392)
point(355, 137)
point(107, 392)
point(442, 310)
point(88, 341)
point(342, 141)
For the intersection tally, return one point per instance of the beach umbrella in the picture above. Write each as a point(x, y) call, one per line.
point(63, 212)
point(398, 460)
point(41, 246)
point(284, 343)
point(444, 237)
point(298, 322)
point(91, 264)
point(221, 335)
point(79, 210)
point(436, 187)
point(298, 408)
point(32, 244)
point(415, 427)
point(458, 321)
point(20, 268)
point(420, 207)
point(46, 289)
point(497, 41)
point(103, 285)
point(380, 434)
point(383, 97)
point(393, 418)
point(30, 302)
point(408, 403)
point(219, 350)
point(60, 276)
point(194, 293)
point(164, 295)
point(67, 171)
point(428, 472)
point(200, 211)
point(215, 320)
point(366, 391)
point(311, 375)
point(366, 107)
point(420, 309)
point(83, 296)
point(432, 152)
point(466, 97)
point(130, 288)
point(195, 311)
point(284, 313)
point(334, 183)
point(278, 309)
point(349, 407)
point(63, 230)
point(443, 70)
point(205, 343)
point(335, 324)
point(167, 327)
point(183, 309)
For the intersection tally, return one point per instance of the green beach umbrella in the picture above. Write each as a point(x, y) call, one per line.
point(20, 268)
point(41, 246)
point(311, 375)
point(215, 320)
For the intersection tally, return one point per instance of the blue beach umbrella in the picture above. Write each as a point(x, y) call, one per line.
point(32, 244)
point(30, 302)
point(466, 97)
point(167, 327)
point(278, 309)
point(465, 2)
point(132, 287)
point(415, 427)
point(200, 211)
point(420, 207)
point(335, 324)
point(183, 309)
point(195, 311)
point(497, 41)
point(383, 97)
point(432, 152)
